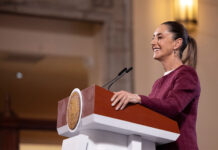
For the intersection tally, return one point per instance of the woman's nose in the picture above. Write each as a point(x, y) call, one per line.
point(153, 41)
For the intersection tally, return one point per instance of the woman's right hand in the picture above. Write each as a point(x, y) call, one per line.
point(122, 98)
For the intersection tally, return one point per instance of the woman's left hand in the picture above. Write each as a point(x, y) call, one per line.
point(122, 98)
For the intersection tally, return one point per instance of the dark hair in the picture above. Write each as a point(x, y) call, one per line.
point(179, 31)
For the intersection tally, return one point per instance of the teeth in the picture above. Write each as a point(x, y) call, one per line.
point(156, 50)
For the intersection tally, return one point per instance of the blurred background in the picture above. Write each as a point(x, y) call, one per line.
point(48, 48)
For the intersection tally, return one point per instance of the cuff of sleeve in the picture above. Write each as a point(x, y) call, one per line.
point(144, 99)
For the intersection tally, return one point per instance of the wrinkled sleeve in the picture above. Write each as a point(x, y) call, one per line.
point(185, 89)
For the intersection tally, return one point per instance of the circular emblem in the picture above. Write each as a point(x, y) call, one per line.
point(74, 109)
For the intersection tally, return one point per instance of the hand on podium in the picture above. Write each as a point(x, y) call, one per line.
point(122, 98)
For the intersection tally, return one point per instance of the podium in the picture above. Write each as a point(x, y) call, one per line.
point(90, 122)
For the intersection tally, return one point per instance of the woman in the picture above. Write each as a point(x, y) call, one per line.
point(176, 94)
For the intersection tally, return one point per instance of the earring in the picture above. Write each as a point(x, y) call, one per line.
point(175, 53)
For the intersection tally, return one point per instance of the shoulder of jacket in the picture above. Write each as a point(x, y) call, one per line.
point(187, 72)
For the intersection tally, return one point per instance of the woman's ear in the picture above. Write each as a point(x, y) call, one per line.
point(178, 43)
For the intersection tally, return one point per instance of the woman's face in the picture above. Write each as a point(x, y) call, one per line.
point(162, 43)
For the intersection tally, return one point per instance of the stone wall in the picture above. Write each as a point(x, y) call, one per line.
point(114, 15)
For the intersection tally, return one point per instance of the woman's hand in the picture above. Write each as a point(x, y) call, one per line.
point(122, 98)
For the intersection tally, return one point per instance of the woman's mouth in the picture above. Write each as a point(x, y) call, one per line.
point(156, 49)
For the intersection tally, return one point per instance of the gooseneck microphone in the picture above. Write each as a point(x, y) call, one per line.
point(120, 75)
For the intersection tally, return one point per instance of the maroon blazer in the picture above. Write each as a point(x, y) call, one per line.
point(176, 95)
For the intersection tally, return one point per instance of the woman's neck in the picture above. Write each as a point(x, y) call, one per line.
point(171, 64)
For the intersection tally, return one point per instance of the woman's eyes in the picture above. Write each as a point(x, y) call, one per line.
point(158, 37)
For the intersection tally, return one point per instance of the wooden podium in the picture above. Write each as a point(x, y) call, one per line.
point(91, 123)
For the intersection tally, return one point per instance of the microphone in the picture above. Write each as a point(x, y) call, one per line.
point(122, 71)
point(120, 75)
point(130, 69)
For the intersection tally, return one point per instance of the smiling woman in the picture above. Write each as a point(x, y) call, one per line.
point(176, 94)
point(163, 44)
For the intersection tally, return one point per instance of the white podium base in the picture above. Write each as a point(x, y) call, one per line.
point(104, 140)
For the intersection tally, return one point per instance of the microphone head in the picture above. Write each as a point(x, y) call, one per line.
point(128, 70)
point(122, 71)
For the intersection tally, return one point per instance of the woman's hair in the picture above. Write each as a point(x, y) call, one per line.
point(179, 31)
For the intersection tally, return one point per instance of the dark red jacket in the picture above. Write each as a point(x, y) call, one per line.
point(176, 95)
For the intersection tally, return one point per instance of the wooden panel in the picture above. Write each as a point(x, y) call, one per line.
point(9, 139)
point(88, 96)
point(62, 110)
